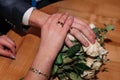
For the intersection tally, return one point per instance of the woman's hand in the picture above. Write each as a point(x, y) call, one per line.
point(7, 47)
point(53, 33)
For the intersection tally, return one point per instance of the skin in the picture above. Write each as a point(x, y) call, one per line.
point(78, 28)
point(52, 38)
point(7, 47)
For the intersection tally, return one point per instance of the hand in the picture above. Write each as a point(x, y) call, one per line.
point(79, 28)
point(53, 34)
point(7, 47)
point(82, 32)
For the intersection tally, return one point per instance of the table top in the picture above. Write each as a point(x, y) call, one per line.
point(98, 12)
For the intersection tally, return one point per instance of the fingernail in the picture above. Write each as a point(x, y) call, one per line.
point(71, 17)
point(86, 44)
point(13, 57)
point(93, 41)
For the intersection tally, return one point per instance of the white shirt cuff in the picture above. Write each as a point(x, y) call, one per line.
point(26, 16)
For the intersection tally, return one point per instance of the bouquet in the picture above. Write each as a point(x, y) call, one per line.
point(79, 62)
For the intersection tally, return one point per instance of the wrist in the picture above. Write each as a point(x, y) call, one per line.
point(37, 18)
point(43, 62)
point(48, 54)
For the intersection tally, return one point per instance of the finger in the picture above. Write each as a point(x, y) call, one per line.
point(57, 17)
point(83, 25)
point(12, 42)
point(7, 53)
point(78, 21)
point(85, 29)
point(62, 19)
point(5, 37)
point(68, 24)
point(53, 19)
point(68, 42)
point(8, 45)
point(79, 36)
point(88, 33)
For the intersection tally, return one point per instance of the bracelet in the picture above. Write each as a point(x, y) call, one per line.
point(37, 71)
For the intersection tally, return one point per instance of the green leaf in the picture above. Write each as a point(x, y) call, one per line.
point(109, 27)
point(60, 71)
point(62, 77)
point(59, 59)
point(67, 60)
point(80, 67)
point(104, 30)
point(82, 56)
point(74, 49)
point(74, 76)
point(67, 68)
point(97, 32)
point(75, 58)
point(81, 50)
point(64, 49)
point(54, 69)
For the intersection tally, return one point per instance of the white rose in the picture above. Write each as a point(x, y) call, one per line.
point(88, 74)
point(89, 61)
point(96, 65)
point(94, 50)
point(102, 51)
point(93, 63)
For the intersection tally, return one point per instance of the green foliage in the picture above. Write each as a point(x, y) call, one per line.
point(74, 76)
point(68, 62)
point(97, 32)
point(59, 59)
point(101, 32)
point(71, 63)
point(71, 52)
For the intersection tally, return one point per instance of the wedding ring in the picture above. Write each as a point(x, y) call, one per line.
point(61, 23)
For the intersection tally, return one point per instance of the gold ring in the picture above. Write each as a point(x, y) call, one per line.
point(61, 23)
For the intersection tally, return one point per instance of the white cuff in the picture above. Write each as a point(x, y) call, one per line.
point(26, 16)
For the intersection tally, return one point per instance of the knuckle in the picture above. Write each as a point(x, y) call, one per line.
point(73, 31)
point(82, 28)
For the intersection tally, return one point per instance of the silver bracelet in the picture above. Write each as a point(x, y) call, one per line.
point(37, 71)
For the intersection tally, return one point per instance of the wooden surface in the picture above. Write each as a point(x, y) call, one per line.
point(26, 48)
point(91, 11)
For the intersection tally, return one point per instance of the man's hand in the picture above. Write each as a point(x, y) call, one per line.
point(82, 32)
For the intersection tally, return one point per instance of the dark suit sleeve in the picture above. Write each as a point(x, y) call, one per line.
point(13, 11)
